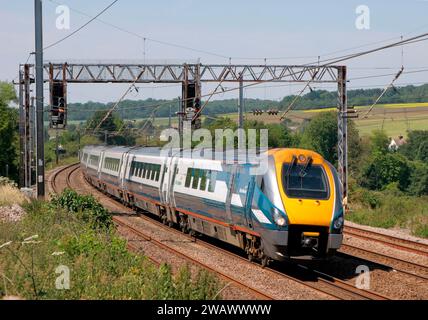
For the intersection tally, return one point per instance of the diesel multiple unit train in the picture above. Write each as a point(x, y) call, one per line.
point(293, 210)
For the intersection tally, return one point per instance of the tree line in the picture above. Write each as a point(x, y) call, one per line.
point(134, 109)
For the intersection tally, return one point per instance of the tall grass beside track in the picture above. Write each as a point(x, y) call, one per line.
point(390, 209)
point(100, 265)
point(10, 195)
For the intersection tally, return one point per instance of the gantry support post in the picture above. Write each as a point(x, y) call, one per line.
point(40, 154)
point(183, 104)
point(342, 126)
point(241, 142)
point(21, 131)
point(27, 131)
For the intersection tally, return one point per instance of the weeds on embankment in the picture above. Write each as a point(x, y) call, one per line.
point(390, 209)
point(55, 240)
point(9, 193)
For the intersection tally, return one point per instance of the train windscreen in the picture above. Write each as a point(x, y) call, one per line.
point(306, 182)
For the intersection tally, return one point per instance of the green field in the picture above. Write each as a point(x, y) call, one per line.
point(395, 119)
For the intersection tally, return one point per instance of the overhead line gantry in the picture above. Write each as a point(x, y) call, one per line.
point(191, 76)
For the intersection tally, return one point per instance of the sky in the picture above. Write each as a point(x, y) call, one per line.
point(282, 31)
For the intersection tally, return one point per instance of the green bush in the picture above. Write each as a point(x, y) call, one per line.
point(383, 169)
point(419, 179)
point(416, 146)
point(371, 199)
point(379, 142)
point(85, 206)
point(389, 208)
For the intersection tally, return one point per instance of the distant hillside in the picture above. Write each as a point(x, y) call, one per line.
point(132, 109)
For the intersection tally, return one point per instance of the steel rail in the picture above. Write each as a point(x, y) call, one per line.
point(392, 241)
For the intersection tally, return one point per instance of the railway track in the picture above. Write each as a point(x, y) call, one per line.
point(391, 241)
point(53, 178)
point(324, 283)
point(403, 266)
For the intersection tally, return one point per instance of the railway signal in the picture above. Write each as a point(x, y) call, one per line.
point(58, 111)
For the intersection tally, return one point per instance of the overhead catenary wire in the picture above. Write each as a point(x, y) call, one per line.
point(209, 98)
point(81, 27)
point(298, 96)
point(384, 91)
point(144, 38)
point(120, 99)
point(229, 57)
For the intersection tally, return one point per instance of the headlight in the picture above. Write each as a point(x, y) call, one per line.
point(279, 218)
point(338, 223)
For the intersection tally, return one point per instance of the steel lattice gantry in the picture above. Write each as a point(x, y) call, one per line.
point(175, 73)
point(198, 73)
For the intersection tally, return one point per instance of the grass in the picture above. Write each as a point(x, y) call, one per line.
point(393, 127)
point(390, 209)
point(10, 195)
point(36, 252)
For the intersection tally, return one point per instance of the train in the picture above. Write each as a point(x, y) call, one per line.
point(293, 210)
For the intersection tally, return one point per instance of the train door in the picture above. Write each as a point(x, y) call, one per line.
point(100, 164)
point(164, 183)
point(123, 169)
point(241, 195)
point(230, 197)
point(174, 173)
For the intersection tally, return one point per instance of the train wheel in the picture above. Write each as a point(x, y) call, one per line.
point(184, 224)
point(250, 257)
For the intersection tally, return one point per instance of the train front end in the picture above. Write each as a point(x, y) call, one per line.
point(304, 192)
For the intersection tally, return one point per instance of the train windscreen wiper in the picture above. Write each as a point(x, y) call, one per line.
point(303, 171)
point(292, 164)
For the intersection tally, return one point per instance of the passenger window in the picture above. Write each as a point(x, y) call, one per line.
point(157, 173)
point(195, 178)
point(203, 185)
point(188, 177)
point(152, 177)
point(147, 171)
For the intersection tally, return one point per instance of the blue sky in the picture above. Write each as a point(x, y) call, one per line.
point(237, 28)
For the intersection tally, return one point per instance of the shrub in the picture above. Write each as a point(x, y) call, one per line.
point(4, 181)
point(416, 148)
point(419, 179)
point(379, 142)
point(383, 169)
point(422, 153)
point(388, 209)
point(86, 206)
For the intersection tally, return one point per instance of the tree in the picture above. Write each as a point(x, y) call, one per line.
point(419, 179)
point(8, 132)
point(280, 136)
point(422, 153)
point(383, 169)
point(379, 142)
point(110, 125)
point(320, 135)
point(416, 146)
